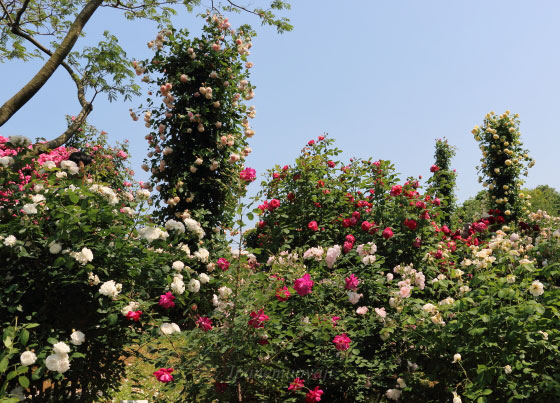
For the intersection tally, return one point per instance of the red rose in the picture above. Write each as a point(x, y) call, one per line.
point(387, 233)
point(313, 226)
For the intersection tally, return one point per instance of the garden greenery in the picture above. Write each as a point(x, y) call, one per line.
point(353, 285)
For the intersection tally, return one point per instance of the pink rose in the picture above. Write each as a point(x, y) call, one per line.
point(223, 263)
point(248, 175)
point(297, 384)
point(134, 315)
point(342, 342)
point(166, 300)
point(164, 375)
point(282, 294)
point(352, 282)
point(313, 226)
point(396, 190)
point(204, 323)
point(314, 395)
point(303, 285)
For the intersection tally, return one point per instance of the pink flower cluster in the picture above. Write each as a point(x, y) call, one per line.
point(223, 263)
point(342, 342)
point(164, 375)
point(166, 300)
point(248, 175)
point(303, 285)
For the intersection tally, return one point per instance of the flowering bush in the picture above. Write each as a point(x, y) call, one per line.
point(78, 274)
point(503, 159)
point(198, 138)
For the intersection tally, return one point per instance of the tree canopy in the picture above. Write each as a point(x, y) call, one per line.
point(101, 69)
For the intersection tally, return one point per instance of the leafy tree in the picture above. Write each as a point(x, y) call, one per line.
point(442, 183)
point(104, 68)
point(545, 198)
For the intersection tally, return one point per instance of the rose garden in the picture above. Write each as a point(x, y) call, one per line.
point(338, 282)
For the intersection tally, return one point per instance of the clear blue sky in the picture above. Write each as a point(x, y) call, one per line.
point(384, 78)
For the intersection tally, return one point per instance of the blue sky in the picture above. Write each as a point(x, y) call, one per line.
point(384, 78)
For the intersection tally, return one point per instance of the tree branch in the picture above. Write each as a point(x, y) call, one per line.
point(20, 13)
point(15, 103)
point(81, 90)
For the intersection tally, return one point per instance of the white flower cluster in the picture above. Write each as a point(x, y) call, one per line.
point(70, 166)
point(110, 288)
point(194, 226)
point(84, 256)
point(332, 254)
point(59, 361)
point(172, 225)
point(221, 302)
point(132, 306)
point(150, 234)
point(142, 194)
point(367, 252)
point(283, 257)
point(105, 191)
point(202, 255)
point(178, 286)
point(314, 253)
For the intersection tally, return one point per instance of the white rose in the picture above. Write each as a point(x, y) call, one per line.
point(194, 285)
point(30, 208)
point(353, 297)
point(169, 328)
point(456, 358)
point(177, 265)
point(536, 288)
point(110, 288)
point(55, 248)
point(393, 394)
point(37, 198)
point(49, 165)
point(10, 240)
point(58, 363)
point(178, 285)
point(28, 358)
point(204, 278)
point(61, 348)
point(77, 338)
point(61, 174)
point(6, 161)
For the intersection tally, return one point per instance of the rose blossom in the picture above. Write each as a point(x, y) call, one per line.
point(166, 300)
point(297, 384)
point(352, 282)
point(303, 285)
point(342, 342)
point(164, 375)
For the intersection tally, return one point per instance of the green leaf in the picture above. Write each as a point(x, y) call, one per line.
point(24, 337)
point(8, 342)
point(4, 364)
point(52, 340)
point(23, 381)
point(74, 198)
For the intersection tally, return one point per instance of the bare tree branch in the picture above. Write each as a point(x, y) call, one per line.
point(15, 103)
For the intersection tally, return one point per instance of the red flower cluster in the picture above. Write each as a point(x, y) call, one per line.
point(164, 375)
point(166, 300)
point(134, 315)
point(223, 263)
point(204, 323)
point(258, 318)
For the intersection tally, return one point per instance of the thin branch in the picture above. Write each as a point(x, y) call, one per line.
point(243, 8)
point(20, 13)
point(6, 11)
point(81, 91)
point(16, 102)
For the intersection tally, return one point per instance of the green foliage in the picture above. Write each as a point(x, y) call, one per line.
point(544, 198)
point(443, 181)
